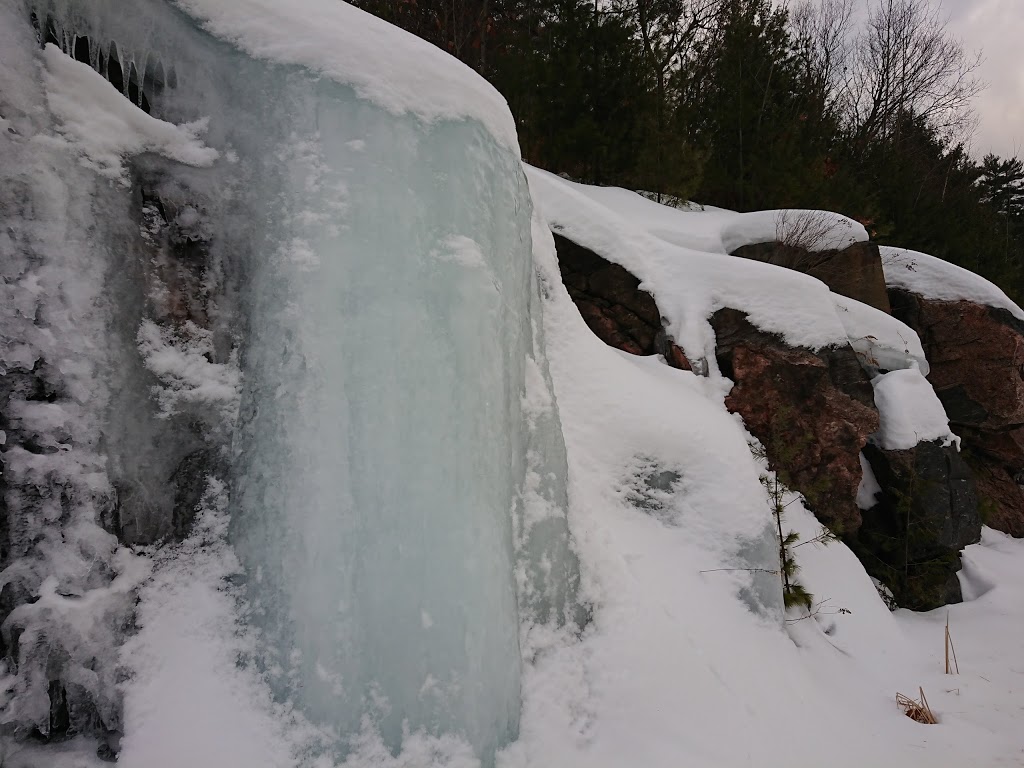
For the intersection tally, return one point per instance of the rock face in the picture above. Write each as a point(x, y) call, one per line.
point(613, 306)
point(926, 513)
point(854, 272)
point(977, 369)
point(813, 412)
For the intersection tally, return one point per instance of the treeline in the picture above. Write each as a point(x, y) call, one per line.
point(857, 106)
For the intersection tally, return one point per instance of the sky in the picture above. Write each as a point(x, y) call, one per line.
point(996, 27)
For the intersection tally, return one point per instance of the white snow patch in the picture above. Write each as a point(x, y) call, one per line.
point(392, 68)
point(910, 411)
point(462, 250)
point(106, 127)
point(880, 340)
point(933, 278)
point(180, 358)
point(193, 699)
point(868, 490)
point(689, 285)
point(813, 230)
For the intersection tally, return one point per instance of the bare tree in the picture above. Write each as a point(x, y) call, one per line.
point(822, 32)
point(905, 62)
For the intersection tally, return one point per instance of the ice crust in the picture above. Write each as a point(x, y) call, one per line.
point(397, 492)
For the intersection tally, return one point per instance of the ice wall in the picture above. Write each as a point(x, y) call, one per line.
point(361, 272)
point(382, 439)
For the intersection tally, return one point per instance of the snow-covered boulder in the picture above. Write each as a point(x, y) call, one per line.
point(973, 335)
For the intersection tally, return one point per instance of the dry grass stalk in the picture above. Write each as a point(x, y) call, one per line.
point(918, 711)
point(949, 647)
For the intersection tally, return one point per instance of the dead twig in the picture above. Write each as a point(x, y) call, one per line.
point(916, 710)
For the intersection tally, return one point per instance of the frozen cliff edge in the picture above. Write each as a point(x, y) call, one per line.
point(289, 448)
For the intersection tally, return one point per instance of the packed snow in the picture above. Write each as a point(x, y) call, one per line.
point(689, 285)
point(882, 342)
point(398, 72)
point(105, 127)
point(910, 411)
point(934, 278)
point(813, 230)
point(677, 659)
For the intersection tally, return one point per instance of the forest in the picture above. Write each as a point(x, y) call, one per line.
point(863, 107)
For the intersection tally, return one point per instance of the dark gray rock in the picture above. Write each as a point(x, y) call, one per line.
point(927, 512)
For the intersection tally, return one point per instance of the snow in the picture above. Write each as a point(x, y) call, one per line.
point(407, 359)
point(985, 696)
point(910, 411)
point(690, 285)
point(933, 278)
point(882, 342)
point(189, 381)
point(395, 70)
point(191, 659)
point(105, 127)
point(867, 492)
point(678, 659)
point(813, 230)
point(718, 230)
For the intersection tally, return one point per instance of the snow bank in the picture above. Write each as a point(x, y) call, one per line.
point(880, 340)
point(191, 661)
point(813, 230)
point(933, 278)
point(690, 285)
point(396, 70)
point(678, 658)
point(910, 411)
point(105, 127)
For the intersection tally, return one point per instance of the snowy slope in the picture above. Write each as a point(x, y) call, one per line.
point(680, 258)
point(676, 668)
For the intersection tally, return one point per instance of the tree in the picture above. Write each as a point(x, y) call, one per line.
point(1002, 185)
point(906, 62)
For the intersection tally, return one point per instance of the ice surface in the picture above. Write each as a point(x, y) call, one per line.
point(382, 437)
point(396, 569)
point(397, 492)
point(67, 584)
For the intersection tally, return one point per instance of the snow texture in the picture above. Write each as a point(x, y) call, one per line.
point(68, 586)
point(690, 285)
point(933, 278)
point(910, 411)
point(882, 342)
point(397, 71)
point(191, 657)
point(867, 492)
point(813, 230)
point(105, 127)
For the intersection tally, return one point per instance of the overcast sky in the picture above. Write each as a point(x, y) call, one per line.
point(997, 28)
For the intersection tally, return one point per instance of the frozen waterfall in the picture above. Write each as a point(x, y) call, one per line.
point(320, 317)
